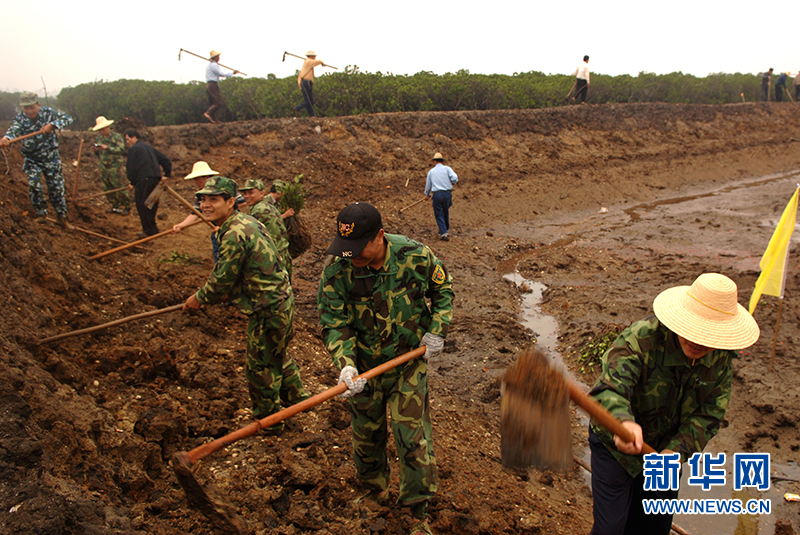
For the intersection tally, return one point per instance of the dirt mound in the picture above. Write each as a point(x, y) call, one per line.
point(90, 422)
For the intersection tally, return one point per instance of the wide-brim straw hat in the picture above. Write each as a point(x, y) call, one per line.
point(214, 53)
point(200, 169)
point(311, 53)
point(707, 313)
point(102, 122)
point(438, 156)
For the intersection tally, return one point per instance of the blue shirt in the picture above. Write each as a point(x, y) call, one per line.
point(214, 73)
point(38, 146)
point(440, 178)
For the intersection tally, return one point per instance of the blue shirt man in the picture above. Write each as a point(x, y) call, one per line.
point(440, 183)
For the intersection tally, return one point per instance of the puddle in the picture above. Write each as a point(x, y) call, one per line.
point(634, 211)
point(544, 328)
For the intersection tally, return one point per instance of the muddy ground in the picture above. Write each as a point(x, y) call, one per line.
point(89, 423)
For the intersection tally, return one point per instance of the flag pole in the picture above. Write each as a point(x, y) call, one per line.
point(775, 340)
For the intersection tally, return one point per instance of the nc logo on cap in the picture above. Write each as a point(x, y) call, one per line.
point(345, 229)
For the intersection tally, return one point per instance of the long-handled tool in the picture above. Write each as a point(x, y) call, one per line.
point(93, 195)
point(211, 504)
point(301, 57)
point(77, 170)
point(110, 324)
point(572, 88)
point(26, 136)
point(91, 233)
point(207, 59)
point(534, 414)
point(190, 207)
point(138, 242)
point(412, 205)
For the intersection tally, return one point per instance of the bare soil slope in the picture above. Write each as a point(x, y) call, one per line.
point(89, 423)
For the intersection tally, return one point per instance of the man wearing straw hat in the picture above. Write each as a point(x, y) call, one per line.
point(110, 149)
point(439, 185)
point(667, 378)
point(40, 154)
point(201, 172)
point(305, 81)
point(248, 273)
point(213, 74)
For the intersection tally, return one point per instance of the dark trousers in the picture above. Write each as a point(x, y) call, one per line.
point(796, 93)
point(307, 89)
point(618, 498)
point(764, 93)
point(442, 201)
point(147, 216)
point(581, 89)
point(214, 99)
point(779, 92)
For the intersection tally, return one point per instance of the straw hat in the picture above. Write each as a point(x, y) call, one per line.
point(200, 169)
point(438, 156)
point(707, 313)
point(311, 53)
point(102, 122)
point(214, 53)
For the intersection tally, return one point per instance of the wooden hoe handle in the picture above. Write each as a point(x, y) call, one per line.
point(602, 416)
point(206, 449)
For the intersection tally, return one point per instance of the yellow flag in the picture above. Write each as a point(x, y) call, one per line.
point(776, 258)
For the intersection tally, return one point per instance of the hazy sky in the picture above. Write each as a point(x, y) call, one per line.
point(70, 43)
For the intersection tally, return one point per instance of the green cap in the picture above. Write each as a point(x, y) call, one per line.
point(28, 99)
point(280, 185)
point(219, 185)
point(253, 183)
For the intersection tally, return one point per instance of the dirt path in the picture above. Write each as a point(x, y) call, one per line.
point(89, 423)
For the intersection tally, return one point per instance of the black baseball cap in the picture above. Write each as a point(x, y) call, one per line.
point(356, 225)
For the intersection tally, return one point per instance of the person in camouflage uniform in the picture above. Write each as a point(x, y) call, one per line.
point(372, 309)
point(40, 153)
point(667, 378)
point(269, 216)
point(110, 149)
point(248, 273)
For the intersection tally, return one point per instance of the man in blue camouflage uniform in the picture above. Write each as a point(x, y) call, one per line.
point(40, 153)
point(668, 380)
point(249, 274)
point(372, 302)
point(269, 216)
point(110, 149)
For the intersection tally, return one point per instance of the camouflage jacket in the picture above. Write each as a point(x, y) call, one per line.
point(114, 154)
point(267, 213)
point(371, 316)
point(247, 270)
point(43, 144)
point(647, 378)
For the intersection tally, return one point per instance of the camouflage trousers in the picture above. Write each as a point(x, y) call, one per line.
point(49, 166)
point(404, 391)
point(272, 376)
point(112, 178)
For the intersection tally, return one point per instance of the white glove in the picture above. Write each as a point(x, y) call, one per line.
point(353, 386)
point(433, 345)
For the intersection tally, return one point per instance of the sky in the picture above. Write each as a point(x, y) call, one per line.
point(61, 44)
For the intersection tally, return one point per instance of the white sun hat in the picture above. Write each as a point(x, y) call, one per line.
point(200, 169)
point(707, 313)
point(101, 122)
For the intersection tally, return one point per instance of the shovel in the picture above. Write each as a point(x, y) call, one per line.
point(534, 414)
point(210, 502)
point(152, 199)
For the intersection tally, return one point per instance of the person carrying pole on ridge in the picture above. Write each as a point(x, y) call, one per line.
point(305, 81)
point(213, 74)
